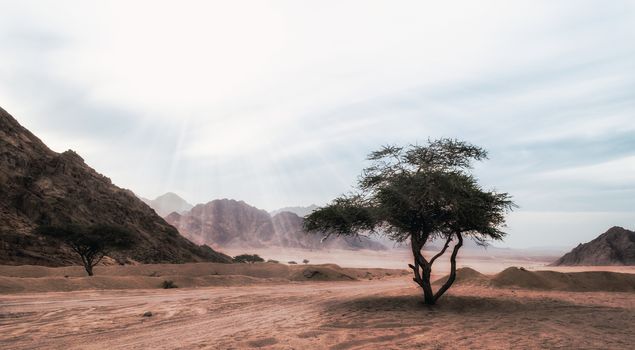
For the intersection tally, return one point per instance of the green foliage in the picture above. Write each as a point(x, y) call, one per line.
point(95, 238)
point(416, 194)
point(91, 243)
point(168, 284)
point(248, 258)
point(422, 191)
point(344, 215)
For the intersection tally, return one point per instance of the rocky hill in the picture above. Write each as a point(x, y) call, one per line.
point(39, 186)
point(231, 223)
point(299, 211)
point(289, 232)
point(168, 203)
point(225, 223)
point(614, 247)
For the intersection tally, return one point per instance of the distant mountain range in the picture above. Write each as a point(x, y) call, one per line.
point(168, 203)
point(230, 223)
point(614, 247)
point(299, 211)
point(42, 187)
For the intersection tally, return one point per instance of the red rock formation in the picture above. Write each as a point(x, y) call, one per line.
point(39, 186)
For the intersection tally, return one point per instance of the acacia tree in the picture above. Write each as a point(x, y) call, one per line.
point(91, 243)
point(418, 194)
point(248, 258)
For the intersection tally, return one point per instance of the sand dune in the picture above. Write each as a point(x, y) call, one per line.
point(572, 281)
point(513, 277)
point(19, 279)
point(24, 279)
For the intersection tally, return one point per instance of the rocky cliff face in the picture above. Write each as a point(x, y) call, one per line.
point(230, 223)
point(225, 223)
point(299, 211)
point(614, 247)
point(289, 231)
point(39, 186)
point(168, 203)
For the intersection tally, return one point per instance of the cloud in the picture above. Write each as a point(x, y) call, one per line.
point(278, 103)
point(617, 173)
point(563, 229)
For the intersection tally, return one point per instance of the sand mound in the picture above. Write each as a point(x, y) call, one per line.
point(17, 279)
point(514, 277)
point(573, 281)
point(320, 273)
point(466, 275)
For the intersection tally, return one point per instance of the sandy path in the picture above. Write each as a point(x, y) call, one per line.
point(382, 314)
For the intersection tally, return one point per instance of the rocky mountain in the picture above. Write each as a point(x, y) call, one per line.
point(614, 247)
point(39, 186)
point(231, 223)
point(225, 223)
point(289, 232)
point(168, 203)
point(299, 211)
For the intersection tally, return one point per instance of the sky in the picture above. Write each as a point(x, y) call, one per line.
point(277, 103)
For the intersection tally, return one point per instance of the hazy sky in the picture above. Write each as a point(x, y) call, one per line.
point(278, 103)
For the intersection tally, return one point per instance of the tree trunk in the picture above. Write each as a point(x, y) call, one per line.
point(428, 295)
point(91, 260)
point(86, 261)
point(89, 268)
point(422, 271)
point(452, 277)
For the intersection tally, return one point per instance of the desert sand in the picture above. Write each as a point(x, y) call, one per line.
point(486, 260)
point(29, 278)
point(274, 306)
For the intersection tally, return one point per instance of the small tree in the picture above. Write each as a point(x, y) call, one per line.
point(248, 258)
point(305, 261)
point(168, 284)
point(91, 243)
point(417, 194)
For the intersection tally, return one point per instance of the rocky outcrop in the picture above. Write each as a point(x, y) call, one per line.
point(168, 203)
point(42, 187)
point(225, 223)
point(290, 233)
point(614, 247)
point(231, 223)
point(299, 211)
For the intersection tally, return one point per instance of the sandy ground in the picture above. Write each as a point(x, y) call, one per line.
point(486, 261)
point(276, 306)
point(376, 314)
point(28, 278)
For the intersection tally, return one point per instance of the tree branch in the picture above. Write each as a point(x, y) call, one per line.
point(98, 260)
point(445, 247)
point(452, 277)
point(416, 246)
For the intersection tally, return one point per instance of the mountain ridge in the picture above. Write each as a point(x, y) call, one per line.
point(167, 203)
point(299, 210)
point(616, 246)
point(41, 187)
point(233, 223)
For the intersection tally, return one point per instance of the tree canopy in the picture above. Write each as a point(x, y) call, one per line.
point(91, 243)
point(416, 194)
point(248, 258)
